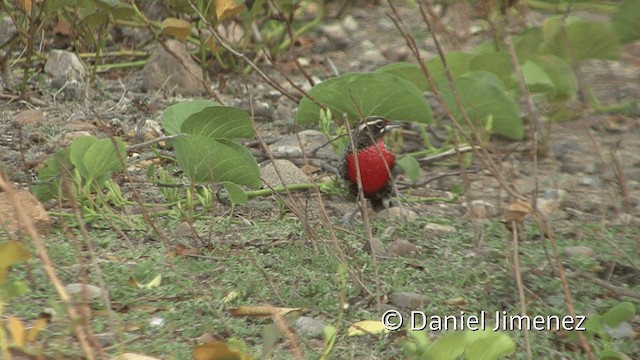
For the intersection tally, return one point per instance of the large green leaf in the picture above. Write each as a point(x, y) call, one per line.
point(410, 72)
point(558, 71)
point(626, 21)
point(176, 114)
point(585, 39)
point(104, 157)
point(489, 345)
point(373, 93)
point(483, 97)
point(448, 347)
point(458, 63)
point(95, 159)
point(619, 313)
point(206, 160)
point(497, 63)
point(50, 174)
point(219, 122)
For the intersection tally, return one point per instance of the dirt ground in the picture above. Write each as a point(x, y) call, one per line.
point(592, 173)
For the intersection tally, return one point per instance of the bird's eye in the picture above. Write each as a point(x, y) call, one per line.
point(379, 125)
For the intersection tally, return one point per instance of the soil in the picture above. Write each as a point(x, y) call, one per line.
point(591, 173)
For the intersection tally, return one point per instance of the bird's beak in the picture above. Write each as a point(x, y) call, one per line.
point(390, 126)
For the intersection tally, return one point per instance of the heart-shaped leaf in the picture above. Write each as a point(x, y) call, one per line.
point(176, 114)
point(219, 122)
point(374, 93)
point(482, 96)
point(626, 21)
point(206, 160)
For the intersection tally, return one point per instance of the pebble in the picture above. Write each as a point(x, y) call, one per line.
point(291, 174)
point(64, 66)
point(33, 210)
point(578, 250)
point(408, 300)
point(437, 231)
point(164, 71)
point(402, 248)
point(308, 326)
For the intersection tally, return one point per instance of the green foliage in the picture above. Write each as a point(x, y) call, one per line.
point(605, 331)
point(470, 345)
point(626, 21)
point(410, 167)
point(482, 95)
point(88, 163)
point(375, 93)
point(173, 116)
point(207, 152)
point(577, 39)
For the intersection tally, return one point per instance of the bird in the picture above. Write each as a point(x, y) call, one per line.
point(375, 160)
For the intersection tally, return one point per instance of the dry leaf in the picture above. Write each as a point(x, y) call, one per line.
point(183, 250)
point(263, 311)
point(150, 285)
point(370, 326)
point(26, 5)
point(215, 350)
point(458, 301)
point(28, 117)
point(16, 329)
point(227, 8)
point(178, 28)
point(309, 169)
point(38, 325)
point(517, 211)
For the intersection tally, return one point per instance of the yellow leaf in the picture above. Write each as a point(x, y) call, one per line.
point(178, 28)
point(38, 325)
point(16, 329)
point(11, 252)
point(227, 8)
point(230, 297)
point(26, 5)
point(215, 350)
point(150, 285)
point(370, 326)
point(263, 311)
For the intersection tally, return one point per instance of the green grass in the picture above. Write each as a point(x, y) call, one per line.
point(293, 274)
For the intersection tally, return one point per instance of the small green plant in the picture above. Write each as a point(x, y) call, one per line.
point(606, 332)
point(87, 165)
point(469, 345)
point(207, 151)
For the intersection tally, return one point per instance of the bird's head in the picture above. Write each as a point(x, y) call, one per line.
point(371, 129)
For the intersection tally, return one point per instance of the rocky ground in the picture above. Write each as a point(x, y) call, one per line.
point(591, 175)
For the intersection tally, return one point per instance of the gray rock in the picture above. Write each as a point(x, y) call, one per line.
point(164, 71)
point(402, 248)
point(437, 231)
point(378, 246)
point(408, 300)
point(480, 209)
point(7, 29)
point(550, 201)
point(309, 326)
point(93, 292)
point(578, 250)
point(350, 24)
point(64, 66)
point(374, 56)
point(289, 172)
point(589, 181)
point(310, 140)
point(398, 213)
point(337, 36)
